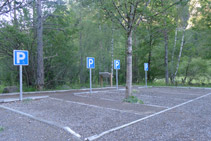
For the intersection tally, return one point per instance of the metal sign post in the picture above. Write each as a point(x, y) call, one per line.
point(146, 69)
point(117, 79)
point(21, 87)
point(117, 67)
point(20, 58)
point(146, 78)
point(90, 65)
point(90, 73)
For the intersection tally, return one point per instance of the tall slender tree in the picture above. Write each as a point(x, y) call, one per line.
point(127, 14)
point(40, 62)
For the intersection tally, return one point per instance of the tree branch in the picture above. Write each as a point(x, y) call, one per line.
point(141, 17)
point(111, 14)
point(119, 12)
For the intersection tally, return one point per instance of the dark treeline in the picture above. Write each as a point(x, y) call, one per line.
point(172, 36)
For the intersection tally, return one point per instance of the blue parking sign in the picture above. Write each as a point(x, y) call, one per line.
point(20, 57)
point(116, 64)
point(90, 62)
point(145, 66)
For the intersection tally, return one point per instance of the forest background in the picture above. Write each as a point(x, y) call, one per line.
point(172, 36)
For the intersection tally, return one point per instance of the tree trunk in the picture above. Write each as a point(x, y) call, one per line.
point(40, 62)
point(186, 70)
point(149, 58)
point(179, 56)
point(165, 33)
point(112, 54)
point(82, 79)
point(135, 60)
point(15, 15)
point(172, 56)
point(129, 65)
point(166, 57)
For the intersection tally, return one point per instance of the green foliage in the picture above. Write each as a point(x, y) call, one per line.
point(1, 129)
point(133, 99)
point(76, 30)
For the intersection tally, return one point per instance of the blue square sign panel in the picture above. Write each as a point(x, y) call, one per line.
point(90, 62)
point(116, 64)
point(20, 57)
point(145, 66)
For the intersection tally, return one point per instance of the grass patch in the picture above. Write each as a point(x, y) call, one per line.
point(135, 91)
point(1, 129)
point(27, 100)
point(133, 99)
point(2, 88)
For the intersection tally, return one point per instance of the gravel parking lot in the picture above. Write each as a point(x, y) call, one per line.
point(21, 128)
point(167, 114)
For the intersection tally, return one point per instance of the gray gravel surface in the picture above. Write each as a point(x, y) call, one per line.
point(191, 122)
point(160, 101)
point(20, 128)
point(119, 105)
point(176, 90)
point(84, 120)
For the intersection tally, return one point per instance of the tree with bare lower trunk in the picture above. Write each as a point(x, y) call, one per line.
point(40, 62)
point(126, 14)
point(129, 14)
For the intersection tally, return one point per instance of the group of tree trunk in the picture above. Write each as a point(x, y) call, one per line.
point(61, 29)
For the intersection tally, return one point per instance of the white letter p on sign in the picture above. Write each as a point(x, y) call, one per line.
point(117, 64)
point(20, 56)
point(90, 62)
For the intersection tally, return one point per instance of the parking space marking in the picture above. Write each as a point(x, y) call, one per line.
point(117, 110)
point(206, 88)
point(51, 123)
point(158, 106)
point(144, 95)
point(176, 93)
point(91, 138)
point(84, 93)
point(151, 105)
point(97, 98)
point(79, 93)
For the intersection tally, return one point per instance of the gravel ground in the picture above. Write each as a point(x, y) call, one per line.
point(166, 97)
point(160, 101)
point(191, 122)
point(20, 128)
point(109, 103)
point(188, 122)
point(176, 90)
point(84, 120)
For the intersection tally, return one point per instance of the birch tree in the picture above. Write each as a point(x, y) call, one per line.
point(184, 17)
point(127, 14)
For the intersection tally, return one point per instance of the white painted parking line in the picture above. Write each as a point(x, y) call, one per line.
point(71, 131)
point(91, 138)
point(206, 88)
point(99, 107)
point(97, 98)
point(78, 93)
point(84, 93)
point(108, 99)
point(176, 93)
point(158, 106)
point(66, 128)
point(144, 95)
point(122, 89)
point(6, 100)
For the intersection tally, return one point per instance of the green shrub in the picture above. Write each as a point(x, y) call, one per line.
point(1, 129)
point(133, 99)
